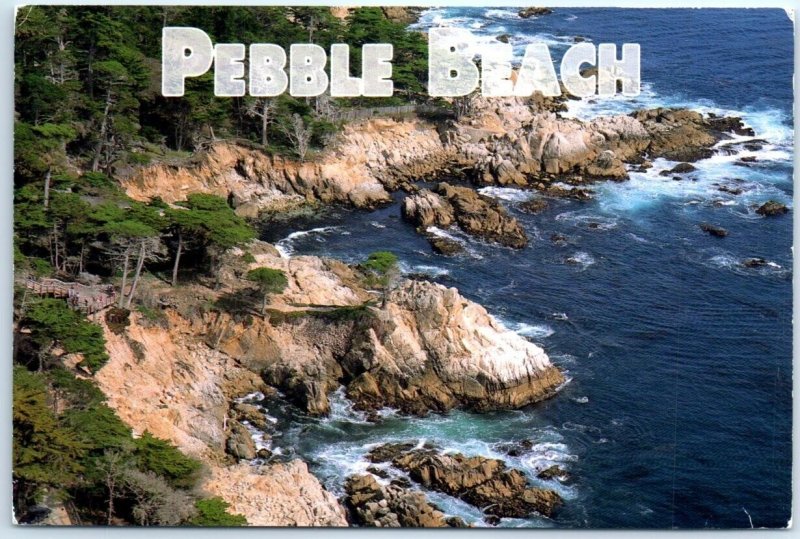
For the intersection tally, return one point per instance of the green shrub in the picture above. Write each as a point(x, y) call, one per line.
point(164, 459)
point(214, 512)
point(51, 320)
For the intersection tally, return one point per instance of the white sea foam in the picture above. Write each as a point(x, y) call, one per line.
point(433, 271)
point(509, 194)
point(501, 14)
point(286, 246)
point(342, 410)
point(581, 259)
point(534, 331)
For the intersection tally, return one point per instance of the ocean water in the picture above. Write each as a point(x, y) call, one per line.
point(678, 408)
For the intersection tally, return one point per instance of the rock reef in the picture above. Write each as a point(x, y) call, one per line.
point(477, 215)
point(483, 482)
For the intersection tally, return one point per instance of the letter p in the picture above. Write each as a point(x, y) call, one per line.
point(176, 64)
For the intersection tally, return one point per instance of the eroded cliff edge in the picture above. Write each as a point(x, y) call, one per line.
point(516, 142)
point(424, 347)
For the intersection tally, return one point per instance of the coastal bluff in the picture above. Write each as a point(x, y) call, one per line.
point(426, 348)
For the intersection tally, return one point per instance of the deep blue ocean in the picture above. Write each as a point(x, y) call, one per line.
point(678, 409)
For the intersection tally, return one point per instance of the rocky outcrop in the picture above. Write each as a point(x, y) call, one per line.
point(431, 349)
point(475, 214)
point(354, 171)
point(772, 208)
point(391, 506)
point(427, 348)
point(685, 135)
point(483, 482)
point(543, 146)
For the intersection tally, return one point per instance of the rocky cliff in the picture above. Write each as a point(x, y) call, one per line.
point(367, 156)
point(424, 348)
point(509, 142)
point(164, 380)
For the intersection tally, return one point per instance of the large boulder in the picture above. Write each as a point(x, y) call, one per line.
point(426, 209)
point(772, 208)
point(482, 216)
point(240, 444)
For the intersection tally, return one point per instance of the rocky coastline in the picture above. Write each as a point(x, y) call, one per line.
point(425, 349)
point(513, 142)
point(421, 348)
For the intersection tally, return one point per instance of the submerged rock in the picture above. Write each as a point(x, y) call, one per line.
point(730, 190)
point(754, 262)
point(553, 472)
point(534, 205)
point(574, 193)
point(772, 208)
point(714, 230)
point(445, 246)
point(515, 449)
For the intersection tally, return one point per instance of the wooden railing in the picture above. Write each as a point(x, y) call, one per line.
point(84, 298)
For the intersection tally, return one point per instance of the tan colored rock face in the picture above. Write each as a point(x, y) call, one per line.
point(178, 389)
point(276, 495)
point(379, 149)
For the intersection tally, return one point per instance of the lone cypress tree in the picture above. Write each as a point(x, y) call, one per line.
point(269, 281)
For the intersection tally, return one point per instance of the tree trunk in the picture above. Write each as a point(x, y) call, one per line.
point(81, 256)
point(110, 501)
point(47, 188)
point(264, 123)
point(264, 305)
point(177, 260)
point(124, 277)
point(136, 275)
point(55, 245)
point(98, 148)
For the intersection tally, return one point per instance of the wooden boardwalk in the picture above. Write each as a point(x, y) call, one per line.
point(81, 297)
